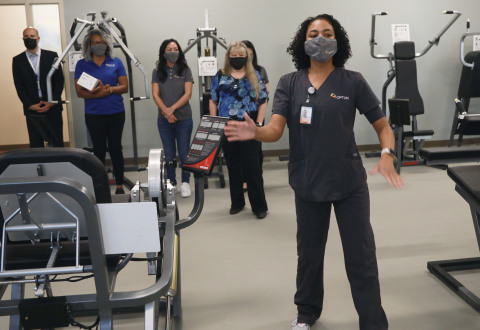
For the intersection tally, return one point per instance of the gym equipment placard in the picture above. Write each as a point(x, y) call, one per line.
point(205, 145)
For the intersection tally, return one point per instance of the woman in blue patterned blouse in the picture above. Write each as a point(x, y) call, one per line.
point(237, 90)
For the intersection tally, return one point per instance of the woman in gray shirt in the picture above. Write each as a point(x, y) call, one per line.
point(172, 83)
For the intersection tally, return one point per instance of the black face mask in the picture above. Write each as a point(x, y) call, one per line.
point(237, 62)
point(30, 43)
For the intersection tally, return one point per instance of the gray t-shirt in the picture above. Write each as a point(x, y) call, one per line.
point(173, 89)
point(324, 162)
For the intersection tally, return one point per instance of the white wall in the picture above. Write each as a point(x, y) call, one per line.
point(270, 25)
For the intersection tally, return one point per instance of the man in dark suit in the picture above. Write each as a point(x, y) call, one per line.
point(30, 70)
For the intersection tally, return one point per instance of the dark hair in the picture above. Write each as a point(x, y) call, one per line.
point(254, 60)
point(162, 62)
point(297, 50)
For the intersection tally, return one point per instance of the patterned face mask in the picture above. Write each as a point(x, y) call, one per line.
point(321, 49)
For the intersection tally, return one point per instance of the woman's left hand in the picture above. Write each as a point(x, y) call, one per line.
point(386, 168)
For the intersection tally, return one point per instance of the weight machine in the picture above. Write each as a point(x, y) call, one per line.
point(402, 66)
point(205, 82)
point(105, 23)
point(465, 123)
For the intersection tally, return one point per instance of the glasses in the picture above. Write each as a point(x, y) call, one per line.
point(95, 43)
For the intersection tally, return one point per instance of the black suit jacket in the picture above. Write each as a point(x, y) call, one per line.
point(26, 81)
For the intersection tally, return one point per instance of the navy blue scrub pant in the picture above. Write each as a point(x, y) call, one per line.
point(106, 133)
point(353, 218)
point(245, 164)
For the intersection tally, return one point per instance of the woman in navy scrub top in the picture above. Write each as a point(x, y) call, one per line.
point(104, 109)
point(318, 103)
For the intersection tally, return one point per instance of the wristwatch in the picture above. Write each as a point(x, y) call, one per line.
point(388, 151)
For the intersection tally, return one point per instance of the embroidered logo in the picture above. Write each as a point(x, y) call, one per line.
point(338, 97)
point(110, 65)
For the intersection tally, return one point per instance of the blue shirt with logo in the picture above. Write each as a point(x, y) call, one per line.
point(108, 73)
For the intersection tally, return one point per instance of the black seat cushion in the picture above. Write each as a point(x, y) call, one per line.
point(468, 179)
point(445, 153)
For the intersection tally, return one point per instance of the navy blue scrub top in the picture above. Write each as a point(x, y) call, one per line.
point(324, 162)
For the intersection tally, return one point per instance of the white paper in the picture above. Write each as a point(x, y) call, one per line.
point(207, 66)
point(476, 43)
point(400, 32)
point(73, 58)
point(129, 227)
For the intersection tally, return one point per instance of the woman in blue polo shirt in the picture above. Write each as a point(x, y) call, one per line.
point(104, 109)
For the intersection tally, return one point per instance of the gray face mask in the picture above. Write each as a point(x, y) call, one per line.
point(321, 49)
point(99, 50)
point(171, 57)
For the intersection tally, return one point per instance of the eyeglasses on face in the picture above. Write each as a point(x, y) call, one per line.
point(95, 43)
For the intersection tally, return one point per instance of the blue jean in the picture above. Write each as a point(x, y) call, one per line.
point(180, 131)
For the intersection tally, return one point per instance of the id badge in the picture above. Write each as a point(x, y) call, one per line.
point(306, 115)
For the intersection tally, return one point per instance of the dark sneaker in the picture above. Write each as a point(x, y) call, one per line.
point(300, 326)
point(235, 210)
point(261, 215)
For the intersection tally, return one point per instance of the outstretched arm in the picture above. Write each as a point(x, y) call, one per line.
point(385, 164)
point(247, 130)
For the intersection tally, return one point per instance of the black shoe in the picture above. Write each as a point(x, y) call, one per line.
point(261, 215)
point(119, 191)
point(235, 210)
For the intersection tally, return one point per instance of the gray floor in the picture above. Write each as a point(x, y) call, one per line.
point(239, 272)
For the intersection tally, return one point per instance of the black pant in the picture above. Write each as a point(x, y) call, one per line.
point(353, 218)
point(106, 131)
point(50, 129)
point(244, 163)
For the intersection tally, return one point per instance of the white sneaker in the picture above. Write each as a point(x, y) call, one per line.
point(186, 190)
point(300, 326)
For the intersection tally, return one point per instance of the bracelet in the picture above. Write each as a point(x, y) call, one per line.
point(259, 124)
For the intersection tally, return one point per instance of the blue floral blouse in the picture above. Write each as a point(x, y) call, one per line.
point(234, 97)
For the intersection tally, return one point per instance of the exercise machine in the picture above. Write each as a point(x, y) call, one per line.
point(103, 22)
point(402, 67)
point(205, 81)
point(464, 122)
point(467, 184)
point(58, 219)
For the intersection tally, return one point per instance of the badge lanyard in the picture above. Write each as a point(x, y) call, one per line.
point(35, 69)
point(306, 110)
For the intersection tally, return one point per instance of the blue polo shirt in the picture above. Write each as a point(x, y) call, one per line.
point(108, 73)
